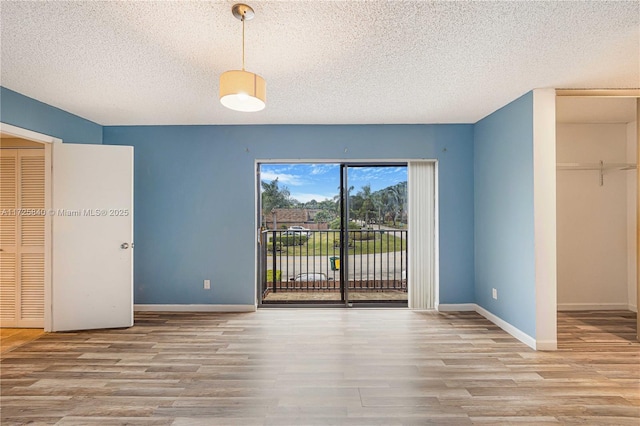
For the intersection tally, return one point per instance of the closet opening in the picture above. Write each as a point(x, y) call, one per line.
point(597, 218)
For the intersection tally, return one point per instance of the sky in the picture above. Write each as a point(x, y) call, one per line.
point(319, 182)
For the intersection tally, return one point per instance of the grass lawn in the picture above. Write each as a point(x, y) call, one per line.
point(326, 244)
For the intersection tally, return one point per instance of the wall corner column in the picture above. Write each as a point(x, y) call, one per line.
point(544, 205)
point(638, 218)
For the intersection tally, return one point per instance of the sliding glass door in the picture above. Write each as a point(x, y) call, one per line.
point(375, 233)
point(333, 233)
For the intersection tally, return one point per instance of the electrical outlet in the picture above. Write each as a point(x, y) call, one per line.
point(207, 284)
point(494, 293)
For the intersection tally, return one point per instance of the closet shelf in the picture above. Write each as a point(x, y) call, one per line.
point(597, 166)
point(601, 167)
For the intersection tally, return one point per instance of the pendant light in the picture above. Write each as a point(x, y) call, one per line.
point(242, 90)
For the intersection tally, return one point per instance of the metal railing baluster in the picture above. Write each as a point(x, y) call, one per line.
point(309, 269)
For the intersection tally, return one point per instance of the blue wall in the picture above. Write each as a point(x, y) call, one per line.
point(195, 189)
point(195, 199)
point(503, 209)
point(22, 111)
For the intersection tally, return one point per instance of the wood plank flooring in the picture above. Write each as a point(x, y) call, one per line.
point(325, 366)
point(11, 338)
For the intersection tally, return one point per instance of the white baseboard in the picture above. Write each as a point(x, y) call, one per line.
point(549, 345)
point(515, 332)
point(512, 330)
point(456, 307)
point(194, 308)
point(593, 306)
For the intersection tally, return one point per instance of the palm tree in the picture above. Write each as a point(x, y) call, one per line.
point(380, 200)
point(398, 200)
point(336, 200)
point(366, 207)
point(274, 197)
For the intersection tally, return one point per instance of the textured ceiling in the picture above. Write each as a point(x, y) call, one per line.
point(324, 62)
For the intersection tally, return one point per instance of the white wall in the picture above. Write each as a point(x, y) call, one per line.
point(593, 221)
point(545, 233)
point(632, 193)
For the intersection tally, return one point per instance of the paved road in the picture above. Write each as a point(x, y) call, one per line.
point(380, 266)
point(361, 267)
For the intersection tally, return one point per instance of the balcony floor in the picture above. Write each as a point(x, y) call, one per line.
point(325, 296)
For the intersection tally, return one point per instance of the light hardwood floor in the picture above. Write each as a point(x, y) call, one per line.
point(11, 338)
point(325, 366)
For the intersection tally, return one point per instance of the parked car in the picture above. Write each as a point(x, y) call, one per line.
point(298, 230)
point(311, 276)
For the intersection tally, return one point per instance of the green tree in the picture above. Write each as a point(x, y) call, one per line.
point(330, 207)
point(274, 197)
point(379, 202)
point(364, 205)
point(397, 201)
point(313, 204)
point(322, 216)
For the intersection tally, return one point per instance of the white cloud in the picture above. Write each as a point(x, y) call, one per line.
point(377, 177)
point(306, 197)
point(283, 178)
point(321, 169)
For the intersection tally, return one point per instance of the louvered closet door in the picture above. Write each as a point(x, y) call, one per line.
point(8, 237)
point(31, 249)
point(23, 238)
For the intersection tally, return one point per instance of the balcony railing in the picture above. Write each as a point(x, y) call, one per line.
point(311, 261)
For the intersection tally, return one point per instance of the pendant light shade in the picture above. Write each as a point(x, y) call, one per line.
point(242, 91)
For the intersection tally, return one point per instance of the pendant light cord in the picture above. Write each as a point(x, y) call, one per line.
point(243, 42)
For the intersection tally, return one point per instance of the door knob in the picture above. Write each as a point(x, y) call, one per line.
point(124, 246)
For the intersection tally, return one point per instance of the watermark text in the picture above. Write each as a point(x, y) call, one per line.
point(65, 212)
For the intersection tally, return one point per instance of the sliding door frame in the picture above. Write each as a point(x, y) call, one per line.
point(344, 164)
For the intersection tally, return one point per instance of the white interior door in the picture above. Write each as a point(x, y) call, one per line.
point(92, 237)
